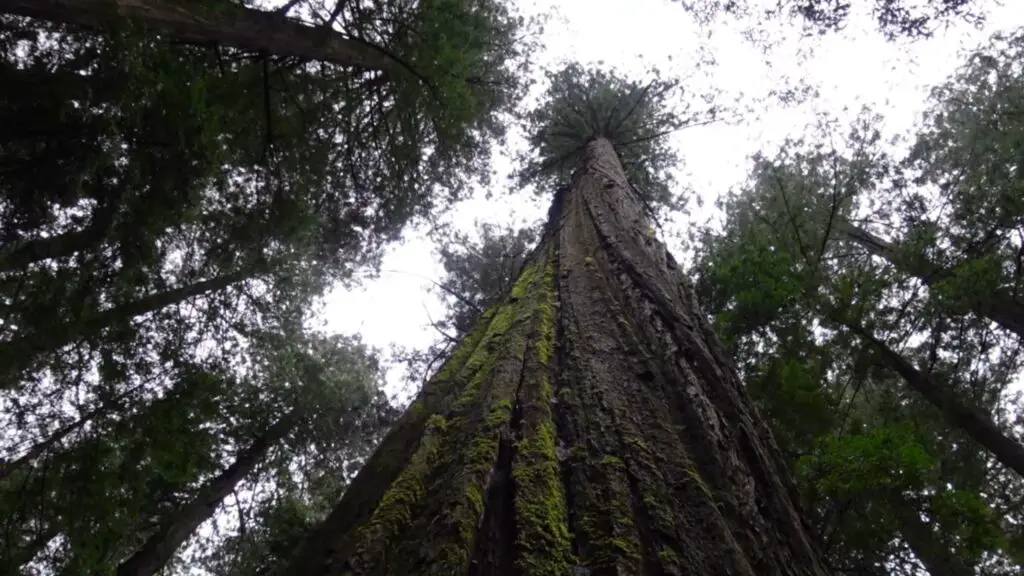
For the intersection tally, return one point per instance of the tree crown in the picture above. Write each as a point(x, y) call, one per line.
point(583, 104)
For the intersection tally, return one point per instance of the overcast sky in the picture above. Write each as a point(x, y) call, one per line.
point(849, 70)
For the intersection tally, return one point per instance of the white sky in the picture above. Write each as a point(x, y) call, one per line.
point(850, 69)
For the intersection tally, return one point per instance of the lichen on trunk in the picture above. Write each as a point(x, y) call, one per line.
point(591, 424)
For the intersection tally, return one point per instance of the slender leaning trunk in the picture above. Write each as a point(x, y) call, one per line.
point(26, 253)
point(590, 424)
point(8, 468)
point(956, 411)
point(162, 545)
point(17, 354)
point(227, 24)
point(936, 558)
point(999, 307)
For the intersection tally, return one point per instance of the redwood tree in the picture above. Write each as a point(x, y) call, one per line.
point(591, 422)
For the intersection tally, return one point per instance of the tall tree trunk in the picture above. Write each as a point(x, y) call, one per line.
point(933, 555)
point(1000, 307)
point(28, 252)
point(227, 24)
point(155, 553)
point(18, 353)
point(956, 411)
point(590, 421)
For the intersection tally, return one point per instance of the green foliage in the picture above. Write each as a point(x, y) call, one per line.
point(969, 149)
point(887, 459)
point(888, 481)
point(479, 271)
point(896, 19)
point(169, 216)
point(582, 104)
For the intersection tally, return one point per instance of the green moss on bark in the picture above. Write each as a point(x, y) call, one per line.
point(478, 420)
point(394, 510)
point(543, 542)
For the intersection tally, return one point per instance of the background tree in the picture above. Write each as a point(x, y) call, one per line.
point(825, 330)
point(168, 207)
point(310, 408)
point(895, 18)
point(589, 423)
point(479, 270)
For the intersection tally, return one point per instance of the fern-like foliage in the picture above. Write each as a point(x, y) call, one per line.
point(582, 104)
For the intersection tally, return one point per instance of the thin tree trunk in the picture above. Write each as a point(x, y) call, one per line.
point(12, 560)
point(590, 424)
point(162, 545)
point(17, 354)
point(957, 413)
point(935, 558)
point(227, 24)
point(8, 468)
point(29, 252)
point(999, 307)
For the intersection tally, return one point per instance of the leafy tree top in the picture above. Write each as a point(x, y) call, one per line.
point(969, 151)
point(582, 104)
point(894, 18)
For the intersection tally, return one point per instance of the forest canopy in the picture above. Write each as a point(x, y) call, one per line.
point(183, 186)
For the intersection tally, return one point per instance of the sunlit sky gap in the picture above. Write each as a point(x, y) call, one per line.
point(846, 71)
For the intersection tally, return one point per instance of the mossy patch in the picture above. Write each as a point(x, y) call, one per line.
point(393, 512)
point(613, 462)
point(480, 418)
point(543, 542)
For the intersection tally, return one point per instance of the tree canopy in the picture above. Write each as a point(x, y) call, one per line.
point(636, 116)
point(180, 183)
point(869, 300)
point(172, 208)
point(894, 18)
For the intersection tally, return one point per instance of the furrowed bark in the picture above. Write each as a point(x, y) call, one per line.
point(226, 24)
point(957, 413)
point(999, 307)
point(590, 425)
point(162, 545)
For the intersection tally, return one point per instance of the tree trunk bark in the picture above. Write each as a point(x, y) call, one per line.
point(228, 25)
point(590, 424)
point(999, 307)
point(159, 548)
point(17, 354)
point(957, 413)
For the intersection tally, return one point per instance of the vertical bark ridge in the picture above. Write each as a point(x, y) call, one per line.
point(427, 519)
point(543, 543)
point(494, 548)
point(597, 428)
point(606, 532)
point(719, 425)
point(659, 514)
point(329, 544)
